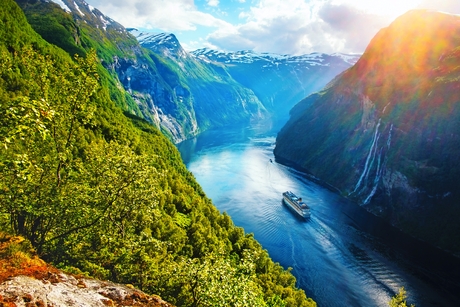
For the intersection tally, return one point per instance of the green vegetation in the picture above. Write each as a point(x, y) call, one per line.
point(106, 195)
point(58, 28)
point(399, 300)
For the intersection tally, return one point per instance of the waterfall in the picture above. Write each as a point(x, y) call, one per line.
point(373, 157)
point(371, 150)
point(379, 171)
point(389, 136)
point(378, 174)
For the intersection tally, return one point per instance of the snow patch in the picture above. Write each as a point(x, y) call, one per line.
point(104, 21)
point(349, 58)
point(78, 8)
point(62, 5)
point(272, 59)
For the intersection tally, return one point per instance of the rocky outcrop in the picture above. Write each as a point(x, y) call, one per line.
point(28, 281)
point(386, 131)
point(62, 290)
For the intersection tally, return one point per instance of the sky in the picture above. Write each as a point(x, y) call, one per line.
point(277, 26)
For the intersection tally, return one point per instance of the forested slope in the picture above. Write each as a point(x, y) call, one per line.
point(103, 194)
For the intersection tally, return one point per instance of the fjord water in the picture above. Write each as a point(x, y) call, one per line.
point(341, 256)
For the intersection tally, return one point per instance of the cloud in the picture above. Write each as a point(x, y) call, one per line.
point(297, 27)
point(353, 27)
point(168, 15)
point(213, 2)
point(450, 6)
point(279, 26)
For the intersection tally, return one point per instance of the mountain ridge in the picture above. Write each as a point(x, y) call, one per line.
point(182, 94)
point(384, 132)
point(280, 81)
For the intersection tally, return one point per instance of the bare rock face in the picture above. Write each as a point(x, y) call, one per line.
point(62, 290)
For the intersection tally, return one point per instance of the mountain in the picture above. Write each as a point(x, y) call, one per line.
point(280, 81)
point(385, 133)
point(262, 84)
point(159, 87)
point(218, 100)
point(180, 92)
point(96, 190)
point(76, 26)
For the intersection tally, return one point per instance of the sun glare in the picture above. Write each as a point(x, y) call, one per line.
point(390, 8)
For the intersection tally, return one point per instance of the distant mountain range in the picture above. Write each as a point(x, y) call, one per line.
point(386, 132)
point(186, 93)
point(231, 88)
point(280, 81)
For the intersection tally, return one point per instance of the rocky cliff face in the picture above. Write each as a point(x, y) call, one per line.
point(161, 96)
point(386, 131)
point(160, 93)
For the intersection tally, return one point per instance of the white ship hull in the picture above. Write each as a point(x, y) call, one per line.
point(296, 204)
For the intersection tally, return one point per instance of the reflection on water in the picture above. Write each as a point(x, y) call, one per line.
point(342, 256)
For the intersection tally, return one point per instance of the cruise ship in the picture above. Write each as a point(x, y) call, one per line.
point(296, 204)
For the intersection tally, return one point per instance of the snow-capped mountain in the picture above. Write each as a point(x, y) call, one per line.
point(90, 14)
point(280, 80)
point(162, 43)
point(272, 59)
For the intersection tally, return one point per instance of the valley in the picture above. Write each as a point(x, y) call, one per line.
point(130, 157)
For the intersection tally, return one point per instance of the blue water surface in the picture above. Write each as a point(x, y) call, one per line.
point(341, 256)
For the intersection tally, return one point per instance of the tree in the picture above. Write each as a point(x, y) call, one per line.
point(217, 280)
point(53, 184)
point(400, 299)
point(42, 120)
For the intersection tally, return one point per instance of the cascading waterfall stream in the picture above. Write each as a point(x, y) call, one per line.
point(389, 136)
point(374, 154)
point(372, 161)
point(378, 174)
point(379, 171)
point(369, 156)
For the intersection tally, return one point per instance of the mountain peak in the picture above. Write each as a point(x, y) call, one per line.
point(412, 44)
point(166, 44)
point(91, 15)
point(249, 56)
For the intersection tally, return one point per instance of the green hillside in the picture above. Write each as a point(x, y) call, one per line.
point(104, 193)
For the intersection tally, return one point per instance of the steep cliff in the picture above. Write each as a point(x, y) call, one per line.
point(386, 131)
point(172, 90)
point(218, 100)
